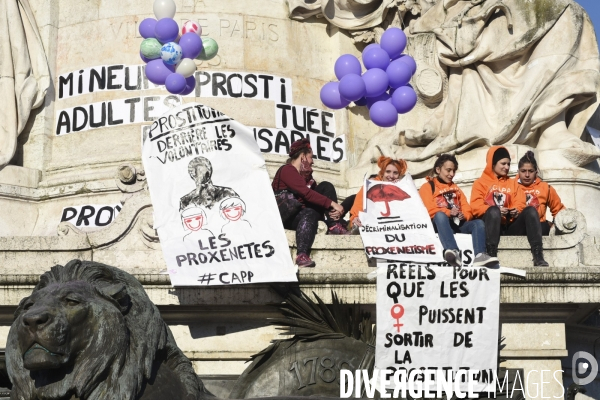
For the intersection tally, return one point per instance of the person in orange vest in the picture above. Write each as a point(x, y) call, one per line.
point(451, 213)
point(499, 201)
point(390, 170)
point(538, 194)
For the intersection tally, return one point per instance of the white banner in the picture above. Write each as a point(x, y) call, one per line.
point(214, 210)
point(438, 319)
point(90, 217)
point(278, 141)
point(396, 225)
point(119, 77)
point(113, 112)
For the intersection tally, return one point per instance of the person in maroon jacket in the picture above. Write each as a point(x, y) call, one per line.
point(317, 202)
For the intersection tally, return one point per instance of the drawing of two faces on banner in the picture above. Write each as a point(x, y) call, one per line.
point(197, 206)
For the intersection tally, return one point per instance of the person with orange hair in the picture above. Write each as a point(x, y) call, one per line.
point(451, 213)
point(390, 170)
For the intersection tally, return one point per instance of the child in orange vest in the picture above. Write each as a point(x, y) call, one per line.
point(450, 213)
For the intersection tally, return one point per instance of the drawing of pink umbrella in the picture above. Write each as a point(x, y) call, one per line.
point(386, 193)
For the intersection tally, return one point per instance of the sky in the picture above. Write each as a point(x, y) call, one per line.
point(593, 9)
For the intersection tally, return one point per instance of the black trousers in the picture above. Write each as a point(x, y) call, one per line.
point(526, 224)
point(305, 223)
point(347, 204)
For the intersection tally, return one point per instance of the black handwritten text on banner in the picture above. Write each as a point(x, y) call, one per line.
point(208, 184)
point(278, 141)
point(90, 216)
point(113, 112)
point(396, 225)
point(437, 319)
point(255, 86)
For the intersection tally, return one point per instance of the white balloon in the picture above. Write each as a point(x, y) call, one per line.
point(164, 9)
point(186, 67)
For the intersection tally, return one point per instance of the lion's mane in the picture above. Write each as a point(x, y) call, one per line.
point(122, 357)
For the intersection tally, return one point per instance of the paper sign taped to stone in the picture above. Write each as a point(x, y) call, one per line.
point(438, 319)
point(90, 217)
point(396, 225)
point(278, 141)
point(214, 210)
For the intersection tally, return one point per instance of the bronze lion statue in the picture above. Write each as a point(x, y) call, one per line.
point(89, 330)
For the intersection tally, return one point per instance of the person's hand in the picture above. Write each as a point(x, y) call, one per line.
point(454, 212)
point(337, 212)
point(514, 212)
point(357, 222)
point(461, 216)
point(337, 207)
point(504, 210)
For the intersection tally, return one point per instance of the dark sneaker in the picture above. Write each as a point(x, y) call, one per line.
point(338, 229)
point(452, 257)
point(485, 260)
point(304, 261)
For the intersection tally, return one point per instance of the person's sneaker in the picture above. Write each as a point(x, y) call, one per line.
point(453, 258)
point(485, 260)
point(304, 261)
point(337, 229)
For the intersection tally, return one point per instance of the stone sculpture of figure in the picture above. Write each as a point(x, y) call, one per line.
point(512, 72)
point(24, 72)
point(89, 331)
point(206, 194)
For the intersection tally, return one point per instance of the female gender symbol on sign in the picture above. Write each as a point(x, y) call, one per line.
point(397, 312)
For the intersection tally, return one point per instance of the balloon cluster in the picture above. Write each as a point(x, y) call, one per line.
point(383, 88)
point(170, 55)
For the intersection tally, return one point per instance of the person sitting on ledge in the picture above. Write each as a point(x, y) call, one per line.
point(302, 203)
point(450, 213)
point(498, 200)
point(390, 170)
point(538, 193)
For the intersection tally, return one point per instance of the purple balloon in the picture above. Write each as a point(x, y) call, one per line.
point(166, 30)
point(393, 41)
point(191, 45)
point(330, 96)
point(157, 71)
point(376, 58)
point(147, 28)
point(371, 46)
point(404, 99)
point(361, 102)
point(175, 83)
point(190, 85)
point(408, 60)
point(347, 64)
point(376, 82)
point(352, 87)
point(399, 73)
point(382, 97)
point(144, 59)
point(383, 114)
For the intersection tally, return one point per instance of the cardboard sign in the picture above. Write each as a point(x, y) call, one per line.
point(214, 210)
point(90, 217)
point(396, 225)
point(437, 318)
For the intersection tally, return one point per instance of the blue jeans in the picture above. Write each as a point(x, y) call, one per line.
point(446, 231)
